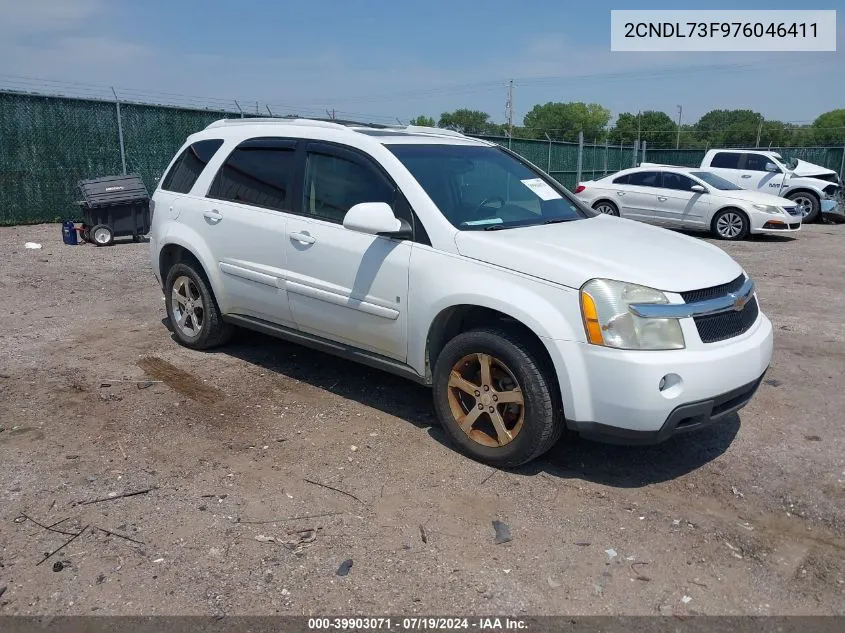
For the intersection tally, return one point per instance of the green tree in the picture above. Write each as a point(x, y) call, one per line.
point(655, 128)
point(425, 121)
point(465, 121)
point(563, 121)
point(725, 128)
point(829, 128)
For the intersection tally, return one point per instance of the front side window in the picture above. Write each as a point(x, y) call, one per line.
point(188, 167)
point(645, 178)
point(486, 188)
point(726, 160)
point(257, 173)
point(756, 162)
point(715, 181)
point(671, 180)
point(333, 185)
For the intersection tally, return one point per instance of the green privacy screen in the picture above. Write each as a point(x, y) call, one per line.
point(48, 144)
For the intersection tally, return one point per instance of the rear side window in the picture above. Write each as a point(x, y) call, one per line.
point(188, 167)
point(622, 180)
point(726, 160)
point(259, 172)
point(644, 178)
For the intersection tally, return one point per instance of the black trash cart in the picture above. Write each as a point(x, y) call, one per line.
point(114, 206)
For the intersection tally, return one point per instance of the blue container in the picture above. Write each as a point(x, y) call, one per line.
point(69, 235)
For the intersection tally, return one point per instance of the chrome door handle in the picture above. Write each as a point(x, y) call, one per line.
point(213, 215)
point(303, 238)
point(661, 198)
point(745, 176)
point(620, 193)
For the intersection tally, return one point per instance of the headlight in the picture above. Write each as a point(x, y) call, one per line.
point(768, 209)
point(609, 322)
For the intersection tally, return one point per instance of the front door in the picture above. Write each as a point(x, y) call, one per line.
point(678, 204)
point(343, 285)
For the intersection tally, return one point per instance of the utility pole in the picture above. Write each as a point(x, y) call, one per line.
point(510, 108)
point(759, 131)
point(638, 124)
point(678, 141)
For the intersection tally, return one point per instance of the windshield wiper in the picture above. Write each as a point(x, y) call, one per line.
point(496, 227)
point(557, 220)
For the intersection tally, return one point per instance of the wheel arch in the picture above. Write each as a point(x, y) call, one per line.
point(179, 249)
point(604, 199)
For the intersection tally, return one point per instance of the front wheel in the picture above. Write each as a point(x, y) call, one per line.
point(495, 398)
point(101, 235)
point(192, 309)
point(808, 204)
point(730, 224)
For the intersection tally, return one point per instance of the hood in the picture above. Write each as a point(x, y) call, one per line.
point(756, 197)
point(572, 253)
point(809, 170)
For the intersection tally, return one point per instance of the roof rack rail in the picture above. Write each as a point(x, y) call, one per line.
point(437, 131)
point(277, 120)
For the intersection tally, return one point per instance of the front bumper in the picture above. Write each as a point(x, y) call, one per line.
point(834, 206)
point(620, 393)
point(765, 223)
point(685, 418)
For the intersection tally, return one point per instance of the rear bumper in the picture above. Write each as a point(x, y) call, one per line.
point(688, 417)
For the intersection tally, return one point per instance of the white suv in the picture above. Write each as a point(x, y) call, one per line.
point(457, 264)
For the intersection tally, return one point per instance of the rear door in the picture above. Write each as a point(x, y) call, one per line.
point(343, 285)
point(727, 165)
point(244, 220)
point(678, 204)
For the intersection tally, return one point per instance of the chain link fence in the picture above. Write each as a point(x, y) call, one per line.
point(49, 143)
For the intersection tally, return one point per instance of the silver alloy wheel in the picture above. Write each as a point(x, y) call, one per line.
point(805, 204)
point(102, 235)
point(187, 312)
point(729, 225)
point(606, 208)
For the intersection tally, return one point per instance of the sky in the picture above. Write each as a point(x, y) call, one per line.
point(381, 61)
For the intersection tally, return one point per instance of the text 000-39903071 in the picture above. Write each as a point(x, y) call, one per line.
point(708, 30)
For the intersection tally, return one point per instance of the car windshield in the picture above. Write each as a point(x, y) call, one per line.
point(790, 163)
point(715, 181)
point(485, 188)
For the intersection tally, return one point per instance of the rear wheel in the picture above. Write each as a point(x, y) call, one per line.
point(808, 204)
point(606, 207)
point(495, 398)
point(101, 235)
point(730, 224)
point(192, 309)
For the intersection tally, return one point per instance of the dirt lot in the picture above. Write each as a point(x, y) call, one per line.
point(746, 518)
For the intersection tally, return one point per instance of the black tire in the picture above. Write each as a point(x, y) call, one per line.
point(730, 224)
point(805, 199)
point(101, 235)
point(213, 331)
point(542, 423)
point(612, 209)
point(85, 234)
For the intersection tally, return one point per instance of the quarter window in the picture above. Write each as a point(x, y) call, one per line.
point(188, 167)
point(726, 160)
point(644, 178)
point(333, 185)
point(621, 180)
point(258, 173)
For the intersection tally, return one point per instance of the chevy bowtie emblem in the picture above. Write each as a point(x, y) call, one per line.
point(739, 302)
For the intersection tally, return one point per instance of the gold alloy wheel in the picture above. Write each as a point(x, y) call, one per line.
point(486, 400)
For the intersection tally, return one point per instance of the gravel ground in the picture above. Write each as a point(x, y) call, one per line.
point(237, 447)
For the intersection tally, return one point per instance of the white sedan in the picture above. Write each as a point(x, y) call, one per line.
point(689, 198)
